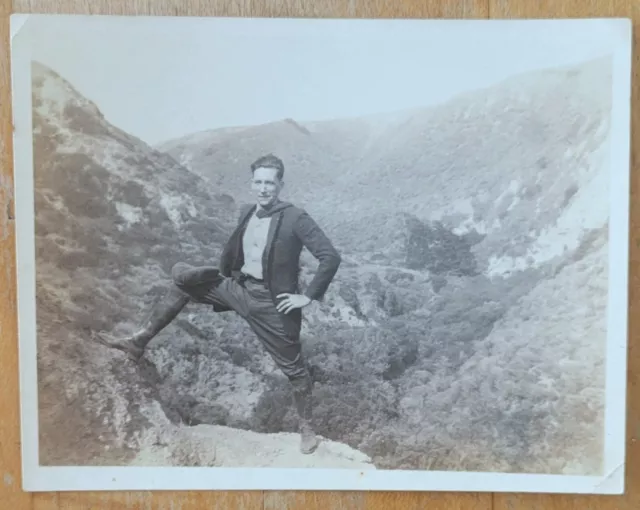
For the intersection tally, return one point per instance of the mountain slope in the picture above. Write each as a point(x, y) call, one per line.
point(103, 224)
point(462, 222)
point(448, 339)
point(112, 217)
point(518, 163)
point(533, 388)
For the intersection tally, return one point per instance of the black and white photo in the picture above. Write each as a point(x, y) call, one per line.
point(322, 254)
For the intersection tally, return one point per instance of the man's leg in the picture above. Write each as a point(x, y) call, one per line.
point(286, 350)
point(189, 284)
point(302, 395)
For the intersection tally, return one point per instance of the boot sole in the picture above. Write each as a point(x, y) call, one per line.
point(310, 450)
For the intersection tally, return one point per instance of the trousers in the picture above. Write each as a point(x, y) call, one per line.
point(252, 301)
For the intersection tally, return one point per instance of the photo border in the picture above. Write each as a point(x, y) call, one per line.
point(38, 478)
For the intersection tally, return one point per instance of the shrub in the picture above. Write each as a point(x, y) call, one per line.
point(438, 282)
point(210, 413)
point(275, 411)
point(90, 206)
point(86, 122)
point(73, 259)
point(87, 237)
point(130, 192)
point(437, 249)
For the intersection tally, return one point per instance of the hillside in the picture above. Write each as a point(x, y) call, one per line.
point(517, 163)
point(112, 217)
point(462, 332)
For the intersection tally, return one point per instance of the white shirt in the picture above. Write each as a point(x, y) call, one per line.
point(253, 244)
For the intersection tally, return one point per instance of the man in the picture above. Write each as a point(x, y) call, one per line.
point(258, 279)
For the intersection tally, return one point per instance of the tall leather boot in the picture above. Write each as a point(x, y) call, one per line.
point(302, 393)
point(163, 312)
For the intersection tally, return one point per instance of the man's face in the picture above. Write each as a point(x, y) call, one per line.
point(266, 185)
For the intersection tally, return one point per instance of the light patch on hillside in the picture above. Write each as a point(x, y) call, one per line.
point(587, 209)
point(106, 151)
point(185, 160)
point(129, 213)
point(174, 206)
point(113, 156)
point(54, 201)
point(470, 225)
point(54, 97)
point(512, 189)
point(463, 210)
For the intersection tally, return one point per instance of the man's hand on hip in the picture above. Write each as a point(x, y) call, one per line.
point(291, 301)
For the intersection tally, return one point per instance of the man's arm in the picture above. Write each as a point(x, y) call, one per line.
point(316, 241)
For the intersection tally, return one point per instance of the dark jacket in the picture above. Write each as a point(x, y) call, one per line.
point(291, 230)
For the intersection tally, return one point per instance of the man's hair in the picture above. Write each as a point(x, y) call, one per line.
point(269, 161)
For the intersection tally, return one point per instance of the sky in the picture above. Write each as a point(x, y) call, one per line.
point(163, 78)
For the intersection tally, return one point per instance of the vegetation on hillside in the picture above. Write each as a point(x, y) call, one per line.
point(422, 357)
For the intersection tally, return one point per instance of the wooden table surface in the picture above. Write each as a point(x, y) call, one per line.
point(11, 495)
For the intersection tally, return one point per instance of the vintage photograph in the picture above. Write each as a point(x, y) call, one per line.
point(366, 248)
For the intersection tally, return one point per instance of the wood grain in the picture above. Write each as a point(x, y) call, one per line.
point(11, 495)
point(10, 480)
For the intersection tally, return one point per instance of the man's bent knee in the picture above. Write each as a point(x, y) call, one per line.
point(179, 272)
point(186, 276)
